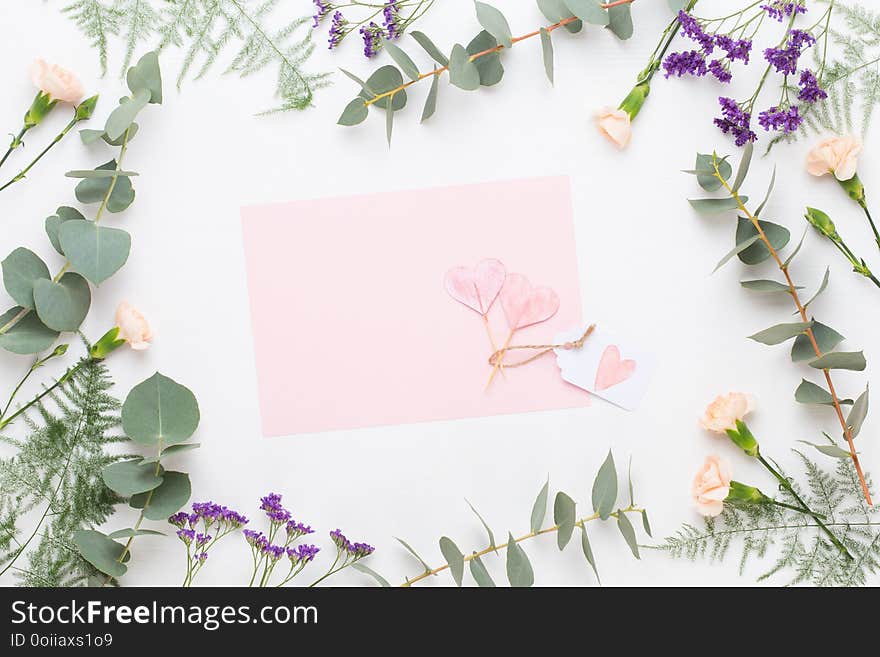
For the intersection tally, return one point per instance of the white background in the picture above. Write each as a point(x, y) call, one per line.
point(644, 256)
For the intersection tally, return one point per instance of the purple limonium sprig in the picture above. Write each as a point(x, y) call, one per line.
point(337, 29)
point(321, 9)
point(785, 59)
point(193, 531)
point(347, 553)
point(390, 18)
point(299, 557)
point(810, 91)
point(775, 118)
point(695, 62)
point(691, 28)
point(782, 9)
point(735, 121)
point(372, 35)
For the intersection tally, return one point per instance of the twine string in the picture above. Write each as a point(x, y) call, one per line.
point(496, 359)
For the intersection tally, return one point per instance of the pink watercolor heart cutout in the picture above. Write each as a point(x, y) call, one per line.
point(476, 288)
point(524, 305)
point(612, 369)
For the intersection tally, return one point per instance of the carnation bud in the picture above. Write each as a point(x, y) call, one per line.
point(39, 109)
point(636, 98)
point(854, 188)
point(743, 438)
point(822, 223)
point(741, 494)
point(86, 108)
point(108, 343)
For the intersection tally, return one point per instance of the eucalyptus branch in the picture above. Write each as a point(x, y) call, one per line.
point(801, 311)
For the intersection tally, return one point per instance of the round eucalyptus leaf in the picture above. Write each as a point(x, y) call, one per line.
point(93, 190)
point(355, 112)
point(383, 80)
point(63, 306)
point(28, 336)
point(128, 478)
point(147, 75)
point(94, 251)
point(757, 253)
point(101, 551)
point(160, 410)
point(21, 269)
point(168, 498)
point(53, 224)
point(462, 71)
point(489, 66)
point(123, 116)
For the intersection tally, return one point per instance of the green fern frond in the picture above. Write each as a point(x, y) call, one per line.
point(798, 550)
point(55, 475)
point(98, 22)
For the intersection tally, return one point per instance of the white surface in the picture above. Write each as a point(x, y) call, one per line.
point(645, 259)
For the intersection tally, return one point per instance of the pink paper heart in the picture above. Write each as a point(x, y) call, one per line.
point(612, 370)
point(524, 305)
point(476, 288)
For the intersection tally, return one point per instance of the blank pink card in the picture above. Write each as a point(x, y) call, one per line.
point(352, 324)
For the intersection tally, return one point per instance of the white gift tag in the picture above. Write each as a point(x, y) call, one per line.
point(607, 366)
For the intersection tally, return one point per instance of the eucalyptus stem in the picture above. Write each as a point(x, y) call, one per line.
point(802, 311)
point(21, 174)
point(494, 548)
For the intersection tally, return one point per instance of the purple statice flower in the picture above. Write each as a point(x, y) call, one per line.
point(202, 557)
point(274, 552)
point(302, 553)
point(785, 60)
point(781, 9)
point(337, 29)
point(810, 90)
point(321, 9)
point(202, 539)
point(721, 73)
point(255, 539)
point(735, 121)
point(339, 539)
point(692, 29)
point(179, 519)
point(276, 513)
point(186, 535)
point(296, 529)
point(679, 64)
point(779, 119)
point(358, 550)
point(372, 35)
point(390, 18)
point(736, 49)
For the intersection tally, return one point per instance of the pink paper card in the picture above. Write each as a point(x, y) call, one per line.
point(353, 326)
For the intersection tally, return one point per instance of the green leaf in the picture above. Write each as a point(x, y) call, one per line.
point(93, 190)
point(98, 173)
point(840, 360)
point(676, 5)
point(480, 574)
point(89, 136)
point(743, 168)
point(160, 412)
point(128, 478)
point(462, 71)
point(63, 306)
point(829, 450)
point(796, 249)
point(826, 337)
point(53, 224)
point(556, 11)
point(764, 285)
point(100, 551)
point(355, 112)
point(821, 289)
point(645, 523)
point(363, 85)
point(810, 393)
point(629, 477)
point(767, 195)
point(628, 533)
point(715, 205)
point(389, 122)
point(28, 336)
point(605, 488)
point(620, 21)
point(429, 47)
point(177, 449)
point(589, 11)
point(128, 533)
point(402, 60)
point(21, 269)
point(170, 497)
point(124, 115)
point(740, 247)
point(547, 52)
point(704, 170)
point(858, 413)
point(366, 570)
point(758, 253)
point(382, 81)
point(494, 23)
point(539, 508)
point(453, 557)
point(132, 131)
point(519, 570)
point(485, 526)
point(588, 552)
point(780, 333)
point(488, 66)
point(413, 552)
point(431, 100)
point(145, 75)
point(564, 516)
point(95, 251)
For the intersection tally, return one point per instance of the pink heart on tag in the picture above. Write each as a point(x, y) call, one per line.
point(612, 370)
point(476, 288)
point(524, 305)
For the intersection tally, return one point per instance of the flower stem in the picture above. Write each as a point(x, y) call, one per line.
point(16, 142)
point(580, 523)
point(802, 311)
point(61, 381)
point(21, 174)
point(864, 206)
